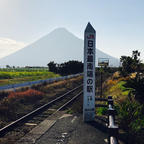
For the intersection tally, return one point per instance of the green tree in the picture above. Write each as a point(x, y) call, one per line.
point(7, 66)
point(130, 64)
point(133, 64)
point(70, 67)
point(52, 66)
point(66, 68)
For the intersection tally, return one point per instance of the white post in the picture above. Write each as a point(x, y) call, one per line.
point(89, 74)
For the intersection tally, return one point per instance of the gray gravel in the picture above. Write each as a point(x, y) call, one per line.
point(72, 130)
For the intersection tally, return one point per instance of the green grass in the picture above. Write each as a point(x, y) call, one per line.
point(118, 90)
point(125, 90)
point(121, 85)
point(12, 76)
point(101, 111)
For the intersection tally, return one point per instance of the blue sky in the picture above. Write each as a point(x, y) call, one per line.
point(119, 23)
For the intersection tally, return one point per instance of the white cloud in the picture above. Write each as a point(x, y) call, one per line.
point(9, 46)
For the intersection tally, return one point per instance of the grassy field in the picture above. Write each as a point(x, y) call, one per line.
point(19, 75)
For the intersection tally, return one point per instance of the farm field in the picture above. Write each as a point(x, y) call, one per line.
point(20, 75)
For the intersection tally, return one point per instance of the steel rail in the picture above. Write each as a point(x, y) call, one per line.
point(12, 125)
point(71, 100)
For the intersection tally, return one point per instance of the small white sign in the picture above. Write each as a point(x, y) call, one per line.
point(89, 74)
point(103, 61)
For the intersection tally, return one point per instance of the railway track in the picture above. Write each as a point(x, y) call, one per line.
point(24, 124)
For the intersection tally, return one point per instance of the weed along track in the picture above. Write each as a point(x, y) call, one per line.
point(18, 128)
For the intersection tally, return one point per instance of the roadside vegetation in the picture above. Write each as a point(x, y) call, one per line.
point(127, 88)
point(19, 75)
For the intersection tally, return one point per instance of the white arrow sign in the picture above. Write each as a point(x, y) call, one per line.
point(89, 74)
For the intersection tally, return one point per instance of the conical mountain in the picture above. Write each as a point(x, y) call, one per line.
point(59, 46)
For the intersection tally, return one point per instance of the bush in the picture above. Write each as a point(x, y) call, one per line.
point(102, 111)
point(11, 107)
point(131, 119)
point(137, 84)
point(29, 95)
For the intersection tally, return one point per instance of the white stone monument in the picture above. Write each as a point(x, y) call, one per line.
point(89, 74)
